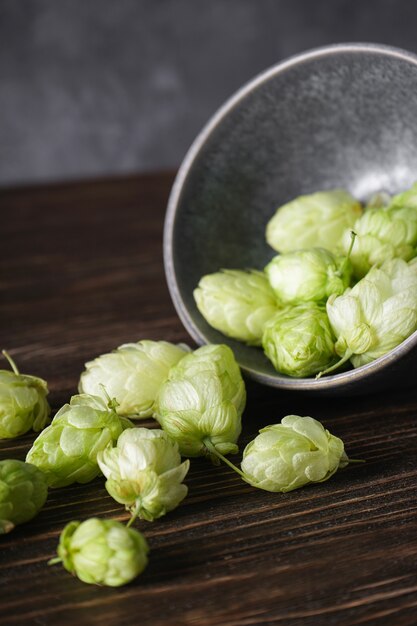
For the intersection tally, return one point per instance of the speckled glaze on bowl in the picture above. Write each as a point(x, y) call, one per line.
point(340, 116)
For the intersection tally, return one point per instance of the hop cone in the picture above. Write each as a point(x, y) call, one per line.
point(133, 374)
point(291, 454)
point(236, 303)
point(102, 552)
point(318, 219)
point(377, 314)
point(385, 233)
point(144, 472)
point(203, 399)
point(67, 450)
point(23, 492)
point(310, 275)
point(23, 403)
point(299, 340)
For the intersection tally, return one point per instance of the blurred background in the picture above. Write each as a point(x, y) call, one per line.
point(90, 88)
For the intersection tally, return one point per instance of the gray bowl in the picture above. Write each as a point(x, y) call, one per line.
point(340, 116)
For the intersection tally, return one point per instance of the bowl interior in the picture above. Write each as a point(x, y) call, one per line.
point(343, 116)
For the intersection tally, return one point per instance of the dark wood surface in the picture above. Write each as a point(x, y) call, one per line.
point(81, 272)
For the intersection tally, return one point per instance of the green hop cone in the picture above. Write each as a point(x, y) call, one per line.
point(405, 199)
point(201, 404)
point(144, 472)
point(376, 315)
point(299, 340)
point(378, 200)
point(23, 403)
point(296, 452)
point(310, 275)
point(23, 492)
point(236, 303)
point(383, 234)
point(66, 451)
point(132, 374)
point(102, 552)
point(318, 219)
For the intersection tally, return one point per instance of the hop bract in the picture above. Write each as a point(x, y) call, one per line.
point(378, 200)
point(144, 472)
point(377, 314)
point(102, 552)
point(23, 492)
point(203, 399)
point(310, 275)
point(66, 451)
point(299, 340)
point(291, 454)
point(236, 303)
point(318, 219)
point(383, 234)
point(23, 403)
point(132, 374)
point(405, 199)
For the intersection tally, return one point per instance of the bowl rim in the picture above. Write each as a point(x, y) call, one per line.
point(275, 380)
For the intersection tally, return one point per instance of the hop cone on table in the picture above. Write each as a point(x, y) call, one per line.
point(291, 454)
point(66, 451)
point(23, 492)
point(144, 472)
point(23, 403)
point(133, 374)
point(102, 552)
point(202, 401)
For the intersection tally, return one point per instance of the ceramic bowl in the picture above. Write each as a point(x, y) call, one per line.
point(340, 116)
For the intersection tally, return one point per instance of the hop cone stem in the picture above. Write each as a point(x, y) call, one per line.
point(11, 362)
point(135, 514)
point(341, 361)
point(212, 449)
point(353, 236)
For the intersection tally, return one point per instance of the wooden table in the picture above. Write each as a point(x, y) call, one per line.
point(81, 272)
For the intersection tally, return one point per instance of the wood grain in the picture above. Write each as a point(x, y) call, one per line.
point(81, 272)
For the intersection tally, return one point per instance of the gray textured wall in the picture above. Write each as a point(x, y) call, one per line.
point(91, 87)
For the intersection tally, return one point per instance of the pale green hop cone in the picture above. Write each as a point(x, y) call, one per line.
point(309, 275)
point(407, 198)
point(377, 314)
point(385, 233)
point(23, 492)
point(66, 451)
point(378, 200)
point(299, 340)
point(102, 552)
point(133, 374)
point(294, 453)
point(144, 472)
point(201, 403)
point(318, 219)
point(237, 303)
point(23, 403)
